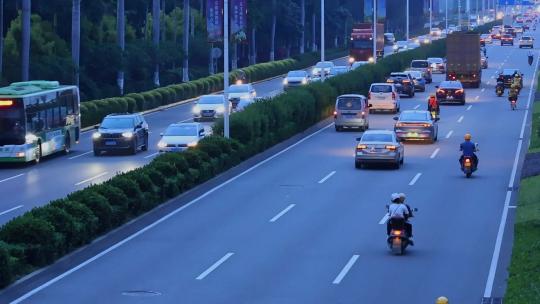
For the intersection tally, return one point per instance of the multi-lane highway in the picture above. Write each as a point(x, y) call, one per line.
point(305, 226)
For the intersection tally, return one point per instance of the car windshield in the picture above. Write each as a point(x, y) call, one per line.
point(413, 116)
point(338, 70)
point(181, 130)
point(419, 64)
point(296, 74)
point(349, 103)
point(450, 85)
point(217, 99)
point(381, 89)
point(435, 60)
point(416, 74)
point(12, 127)
point(382, 137)
point(239, 88)
point(324, 65)
point(396, 75)
point(526, 38)
point(117, 123)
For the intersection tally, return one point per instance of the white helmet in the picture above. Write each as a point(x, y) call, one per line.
point(402, 195)
point(394, 197)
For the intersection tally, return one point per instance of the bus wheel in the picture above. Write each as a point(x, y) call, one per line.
point(67, 144)
point(38, 153)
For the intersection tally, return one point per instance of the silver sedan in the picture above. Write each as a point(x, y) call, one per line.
point(380, 147)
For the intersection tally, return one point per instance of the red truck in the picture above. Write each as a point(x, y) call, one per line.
point(361, 46)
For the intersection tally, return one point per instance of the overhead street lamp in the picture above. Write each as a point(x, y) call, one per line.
point(374, 31)
point(322, 39)
point(407, 28)
point(226, 131)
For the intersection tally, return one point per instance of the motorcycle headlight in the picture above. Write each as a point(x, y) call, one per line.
point(127, 134)
point(96, 135)
point(161, 144)
point(351, 59)
point(220, 109)
point(285, 81)
point(304, 81)
point(30, 138)
point(196, 110)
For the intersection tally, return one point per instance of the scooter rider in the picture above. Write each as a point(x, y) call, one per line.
point(499, 86)
point(530, 57)
point(468, 148)
point(408, 225)
point(399, 211)
point(517, 81)
point(513, 93)
point(433, 104)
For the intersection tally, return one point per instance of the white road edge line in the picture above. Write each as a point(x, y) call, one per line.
point(213, 267)
point(327, 177)
point(10, 178)
point(483, 89)
point(384, 219)
point(12, 209)
point(151, 155)
point(82, 154)
point(435, 153)
point(91, 178)
point(345, 269)
point(416, 107)
point(449, 134)
point(460, 119)
point(512, 207)
point(415, 179)
point(275, 218)
point(502, 226)
point(161, 220)
point(469, 107)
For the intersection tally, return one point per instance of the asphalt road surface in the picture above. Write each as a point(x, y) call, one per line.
point(306, 226)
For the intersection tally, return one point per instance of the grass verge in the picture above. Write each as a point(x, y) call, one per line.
point(535, 133)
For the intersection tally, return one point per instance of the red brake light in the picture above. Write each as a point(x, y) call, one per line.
point(440, 91)
point(361, 147)
point(392, 148)
point(426, 125)
point(6, 103)
point(393, 95)
point(406, 81)
point(460, 91)
point(397, 232)
point(467, 160)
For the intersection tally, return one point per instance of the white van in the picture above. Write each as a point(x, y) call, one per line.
point(383, 97)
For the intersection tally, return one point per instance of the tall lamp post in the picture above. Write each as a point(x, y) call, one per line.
point(430, 16)
point(407, 27)
point(322, 39)
point(446, 16)
point(226, 131)
point(374, 31)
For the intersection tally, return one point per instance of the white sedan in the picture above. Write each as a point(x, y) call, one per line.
point(181, 136)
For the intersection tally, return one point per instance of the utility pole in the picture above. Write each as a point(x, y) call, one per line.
point(430, 16)
point(323, 45)
point(446, 16)
point(226, 131)
point(408, 13)
point(374, 31)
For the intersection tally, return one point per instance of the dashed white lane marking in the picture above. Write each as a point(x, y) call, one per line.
point(435, 153)
point(213, 267)
point(327, 177)
point(417, 106)
point(449, 133)
point(151, 155)
point(12, 209)
point(483, 89)
point(477, 97)
point(469, 107)
point(10, 178)
point(91, 178)
point(345, 269)
point(460, 119)
point(275, 218)
point(415, 179)
point(79, 155)
point(384, 219)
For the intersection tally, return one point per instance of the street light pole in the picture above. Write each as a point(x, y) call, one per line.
point(323, 73)
point(430, 16)
point(446, 16)
point(374, 31)
point(226, 130)
point(407, 30)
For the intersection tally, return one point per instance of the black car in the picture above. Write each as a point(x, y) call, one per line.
point(121, 132)
point(404, 83)
point(451, 92)
point(507, 39)
point(508, 75)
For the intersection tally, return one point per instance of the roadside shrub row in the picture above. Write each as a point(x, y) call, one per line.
point(92, 112)
point(44, 234)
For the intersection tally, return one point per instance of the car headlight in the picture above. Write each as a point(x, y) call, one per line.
point(127, 134)
point(96, 135)
point(285, 81)
point(196, 110)
point(351, 59)
point(304, 81)
point(161, 144)
point(192, 144)
point(245, 97)
point(395, 47)
point(30, 138)
point(371, 59)
point(220, 109)
point(314, 72)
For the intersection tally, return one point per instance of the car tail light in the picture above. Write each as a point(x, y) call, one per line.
point(6, 103)
point(426, 125)
point(396, 232)
point(335, 114)
point(392, 148)
point(389, 81)
point(441, 91)
point(361, 147)
point(393, 95)
point(363, 114)
point(460, 91)
point(406, 81)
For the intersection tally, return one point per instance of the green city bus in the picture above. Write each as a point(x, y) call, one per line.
point(38, 118)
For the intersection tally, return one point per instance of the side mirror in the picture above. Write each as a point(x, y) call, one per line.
point(96, 127)
point(161, 134)
point(396, 118)
point(358, 138)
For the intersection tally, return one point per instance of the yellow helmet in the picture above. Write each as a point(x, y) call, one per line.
point(468, 136)
point(442, 300)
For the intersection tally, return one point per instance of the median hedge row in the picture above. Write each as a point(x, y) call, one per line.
point(44, 234)
point(92, 112)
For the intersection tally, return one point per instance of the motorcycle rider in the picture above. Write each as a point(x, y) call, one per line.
point(408, 225)
point(530, 57)
point(517, 81)
point(500, 85)
point(468, 148)
point(398, 212)
point(433, 104)
point(442, 300)
point(514, 92)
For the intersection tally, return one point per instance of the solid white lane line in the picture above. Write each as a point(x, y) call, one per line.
point(163, 219)
point(327, 177)
point(469, 107)
point(12, 209)
point(512, 207)
point(275, 218)
point(417, 106)
point(151, 155)
point(345, 269)
point(10, 178)
point(435, 153)
point(213, 267)
point(91, 178)
point(384, 219)
point(79, 155)
point(415, 179)
point(460, 119)
point(449, 134)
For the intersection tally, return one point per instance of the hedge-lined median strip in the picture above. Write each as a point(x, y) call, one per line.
point(46, 233)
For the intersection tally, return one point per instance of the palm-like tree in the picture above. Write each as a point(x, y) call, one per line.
point(26, 10)
point(155, 36)
point(121, 39)
point(1, 37)
point(185, 68)
point(76, 37)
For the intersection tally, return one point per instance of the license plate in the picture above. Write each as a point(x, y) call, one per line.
point(110, 143)
point(450, 97)
point(412, 134)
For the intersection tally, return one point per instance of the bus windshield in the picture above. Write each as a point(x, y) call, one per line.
point(12, 130)
point(362, 44)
